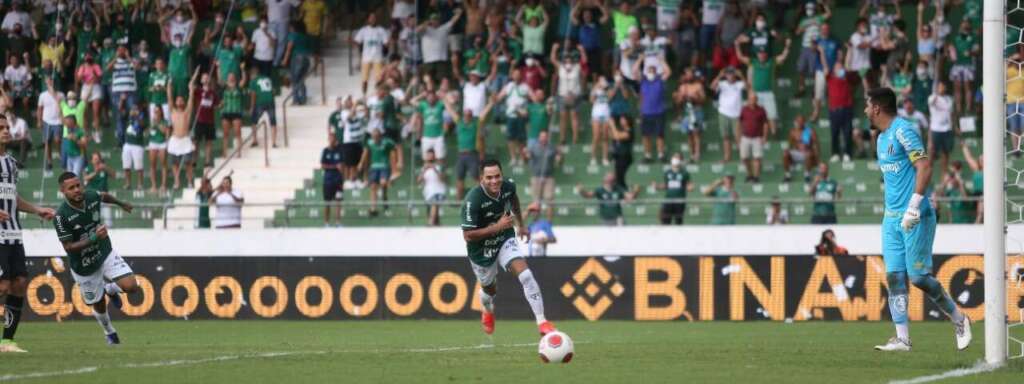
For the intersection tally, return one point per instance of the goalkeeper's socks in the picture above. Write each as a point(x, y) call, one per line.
point(486, 301)
point(104, 320)
point(898, 303)
point(531, 290)
point(939, 296)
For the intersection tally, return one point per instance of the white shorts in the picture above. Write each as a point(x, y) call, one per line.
point(157, 146)
point(767, 101)
point(819, 85)
point(510, 250)
point(797, 156)
point(435, 143)
point(91, 286)
point(961, 72)
point(601, 112)
point(751, 146)
point(179, 146)
point(165, 108)
point(131, 157)
point(92, 92)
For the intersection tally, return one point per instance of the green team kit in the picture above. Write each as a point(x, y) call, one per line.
point(75, 224)
point(480, 210)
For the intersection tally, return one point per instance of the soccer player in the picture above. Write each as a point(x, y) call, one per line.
point(13, 273)
point(908, 227)
point(91, 256)
point(488, 215)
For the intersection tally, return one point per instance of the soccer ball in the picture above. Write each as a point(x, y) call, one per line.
point(555, 347)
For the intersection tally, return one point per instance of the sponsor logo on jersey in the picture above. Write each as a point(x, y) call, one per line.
point(893, 167)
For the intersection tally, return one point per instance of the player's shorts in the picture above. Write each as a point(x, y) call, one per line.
point(652, 125)
point(379, 175)
point(205, 131)
point(12, 261)
point(468, 164)
point(332, 191)
point(909, 252)
point(767, 101)
point(435, 143)
point(751, 147)
point(961, 72)
point(113, 268)
point(351, 153)
point(510, 250)
point(131, 157)
point(819, 85)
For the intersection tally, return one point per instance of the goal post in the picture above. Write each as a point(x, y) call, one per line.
point(994, 157)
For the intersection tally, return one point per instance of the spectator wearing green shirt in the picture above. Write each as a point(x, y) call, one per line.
point(228, 59)
point(179, 64)
point(296, 58)
point(761, 72)
point(961, 210)
point(430, 126)
point(377, 158)
point(538, 116)
point(133, 150)
point(977, 165)
point(610, 197)
point(676, 183)
point(825, 191)
point(964, 49)
point(96, 176)
point(723, 212)
point(73, 146)
point(261, 101)
point(159, 131)
point(158, 91)
point(533, 28)
point(231, 115)
point(470, 143)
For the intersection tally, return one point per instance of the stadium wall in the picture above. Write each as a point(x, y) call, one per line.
point(689, 273)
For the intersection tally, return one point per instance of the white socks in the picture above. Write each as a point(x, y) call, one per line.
point(104, 320)
point(903, 331)
point(112, 289)
point(487, 301)
point(531, 290)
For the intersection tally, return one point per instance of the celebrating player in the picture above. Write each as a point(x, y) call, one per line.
point(13, 272)
point(488, 215)
point(87, 244)
point(908, 228)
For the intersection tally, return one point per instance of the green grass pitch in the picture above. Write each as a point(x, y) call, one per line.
point(456, 351)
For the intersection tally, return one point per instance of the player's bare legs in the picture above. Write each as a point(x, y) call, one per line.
point(531, 290)
point(126, 284)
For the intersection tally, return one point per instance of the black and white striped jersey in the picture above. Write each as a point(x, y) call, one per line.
point(10, 230)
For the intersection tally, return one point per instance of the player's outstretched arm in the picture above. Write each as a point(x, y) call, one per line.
point(110, 199)
point(27, 207)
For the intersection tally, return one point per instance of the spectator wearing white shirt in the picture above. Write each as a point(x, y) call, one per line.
point(776, 215)
point(175, 23)
point(860, 49)
point(48, 113)
point(940, 108)
point(278, 18)
point(21, 141)
point(18, 79)
point(434, 44)
point(18, 16)
point(730, 86)
point(373, 39)
point(262, 45)
point(433, 180)
point(228, 201)
point(474, 93)
point(917, 118)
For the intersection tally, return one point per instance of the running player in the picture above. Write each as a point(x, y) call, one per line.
point(908, 228)
point(93, 260)
point(489, 213)
point(13, 273)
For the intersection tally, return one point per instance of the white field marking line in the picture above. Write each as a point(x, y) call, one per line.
point(980, 367)
point(217, 359)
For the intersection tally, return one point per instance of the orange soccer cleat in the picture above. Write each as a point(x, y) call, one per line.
point(546, 328)
point(487, 322)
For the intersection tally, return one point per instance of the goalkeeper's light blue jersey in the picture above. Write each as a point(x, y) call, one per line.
point(898, 147)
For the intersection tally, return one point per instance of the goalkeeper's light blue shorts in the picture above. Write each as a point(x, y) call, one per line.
point(909, 252)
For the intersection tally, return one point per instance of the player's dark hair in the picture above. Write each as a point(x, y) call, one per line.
point(489, 162)
point(884, 98)
point(65, 177)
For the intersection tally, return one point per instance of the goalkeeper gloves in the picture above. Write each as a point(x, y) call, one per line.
point(912, 216)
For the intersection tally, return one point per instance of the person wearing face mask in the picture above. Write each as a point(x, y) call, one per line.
point(810, 29)
point(652, 107)
point(569, 72)
point(676, 182)
point(760, 37)
point(963, 52)
point(262, 45)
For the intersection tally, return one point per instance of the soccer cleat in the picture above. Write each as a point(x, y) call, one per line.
point(10, 346)
point(963, 333)
point(115, 300)
point(895, 344)
point(112, 339)
point(487, 322)
point(545, 328)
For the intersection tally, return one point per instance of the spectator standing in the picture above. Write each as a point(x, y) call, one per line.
point(730, 27)
point(533, 29)
point(515, 94)
point(942, 132)
point(691, 97)
point(621, 133)
point(809, 28)
point(676, 183)
point(431, 129)
point(228, 201)
point(432, 178)
point(569, 71)
point(685, 36)
point(623, 21)
point(434, 45)
point(296, 58)
point(840, 109)
point(278, 19)
point(711, 15)
point(589, 32)
point(730, 86)
point(377, 160)
point(610, 196)
point(73, 146)
point(776, 215)
point(206, 99)
point(825, 191)
point(601, 123)
point(977, 165)
point(179, 146)
point(96, 177)
point(261, 101)
point(470, 142)
point(48, 113)
point(962, 52)
point(859, 49)
point(409, 47)
point(761, 72)
point(828, 246)
point(203, 195)
point(231, 116)
point(158, 91)
point(923, 82)
point(18, 78)
point(313, 14)
point(21, 140)
point(133, 150)
point(961, 210)
point(654, 48)
point(544, 158)
point(723, 212)
point(159, 131)
point(630, 52)
point(803, 149)
point(330, 163)
point(353, 130)
point(263, 43)
point(538, 115)
point(1014, 98)
point(122, 88)
point(917, 119)
point(754, 132)
point(373, 39)
point(652, 106)
point(828, 54)
point(88, 76)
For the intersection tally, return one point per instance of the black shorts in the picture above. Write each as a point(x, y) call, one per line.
point(516, 129)
point(942, 142)
point(333, 191)
point(394, 134)
point(652, 125)
point(231, 116)
point(205, 131)
point(12, 262)
point(468, 163)
point(351, 153)
point(269, 110)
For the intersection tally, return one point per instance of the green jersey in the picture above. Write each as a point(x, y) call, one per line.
point(962, 211)
point(480, 210)
point(538, 118)
point(610, 208)
point(465, 133)
point(965, 44)
point(107, 56)
point(389, 113)
point(380, 152)
point(433, 119)
point(178, 61)
point(97, 183)
point(675, 183)
point(825, 197)
point(83, 40)
point(156, 132)
point(972, 12)
point(263, 87)
point(78, 111)
point(900, 82)
point(229, 60)
point(157, 87)
point(760, 41)
point(724, 211)
point(69, 143)
point(483, 65)
point(336, 122)
point(812, 28)
point(74, 224)
point(135, 133)
point(763, 74)
point(231, 101)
